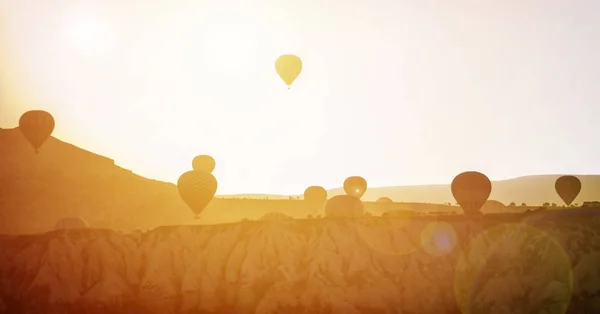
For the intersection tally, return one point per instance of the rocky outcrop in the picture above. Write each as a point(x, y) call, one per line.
point(540, 263)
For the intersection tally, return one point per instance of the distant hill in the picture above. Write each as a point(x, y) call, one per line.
point(531, 190)
point(65, 180)
point(257, 196)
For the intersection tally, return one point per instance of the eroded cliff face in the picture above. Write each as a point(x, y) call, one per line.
point(544, 264)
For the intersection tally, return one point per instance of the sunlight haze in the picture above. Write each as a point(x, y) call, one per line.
point(397, 92)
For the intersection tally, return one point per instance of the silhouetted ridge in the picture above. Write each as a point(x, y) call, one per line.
point(64, 180)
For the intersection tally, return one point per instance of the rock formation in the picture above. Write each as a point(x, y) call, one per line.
point(541, 263)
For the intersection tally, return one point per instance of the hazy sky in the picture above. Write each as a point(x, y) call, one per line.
point(399, 92)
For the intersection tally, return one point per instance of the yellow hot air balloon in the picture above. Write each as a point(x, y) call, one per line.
point(36, 126)
point(384, 199)
point(567, 187)
point(288, 67)
point(315, 194)
point(355, 186)
point(344, 206)
point(203, 163)
point(197, 189)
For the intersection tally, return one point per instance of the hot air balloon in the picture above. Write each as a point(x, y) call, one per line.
point(36, 126)
point(315, 194)
point(197, 189)
point(70, 223)
point(203, 163)
point(355, 186)
point(344, 206)
point(384, 200)
point(567, 187)
point(288, 67)
point(471, 189)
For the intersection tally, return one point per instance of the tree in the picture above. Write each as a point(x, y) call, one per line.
point(523, 205)
point(512, 204)
point(553, 205)
point(546, 204)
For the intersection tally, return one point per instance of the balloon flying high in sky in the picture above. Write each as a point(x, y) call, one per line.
point(152, 89)
point(288, 67)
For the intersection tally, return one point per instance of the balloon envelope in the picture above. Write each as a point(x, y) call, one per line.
point(197, 189)
point(344, 206)
point(355, 186)
point(288, 67)
point(36, 126)
point(470, 190)
point(315, 194)
point(203, 163)
point(384, 200)
point(70, 223)
point(567, 187)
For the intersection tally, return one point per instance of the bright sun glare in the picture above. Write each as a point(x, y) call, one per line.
point(180, 82)
point(87, 33)
point(229, 49)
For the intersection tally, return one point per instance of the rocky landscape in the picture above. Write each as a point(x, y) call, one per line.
point(545, 262)
point(510, 260)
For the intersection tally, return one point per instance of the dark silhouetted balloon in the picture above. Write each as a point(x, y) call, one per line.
point(197, 189)
point(355, 186)
point(203, 163)
point(70, 223)
point(36, 126)
point(288, 67)
point(384, 200)
point(471, 190)
point(344, 206)
point(567, 187)
point(315, 194)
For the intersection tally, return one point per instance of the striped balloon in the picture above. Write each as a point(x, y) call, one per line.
point(36, 126)
point(197, 189)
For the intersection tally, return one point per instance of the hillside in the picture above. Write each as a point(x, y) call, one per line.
point(370, 265)
point(64, 180)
